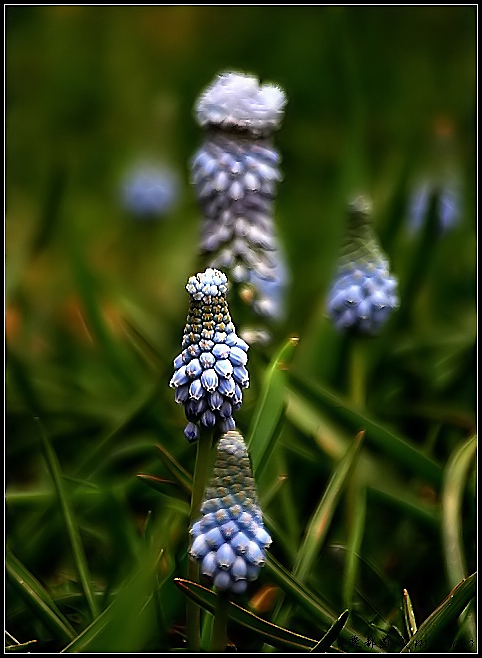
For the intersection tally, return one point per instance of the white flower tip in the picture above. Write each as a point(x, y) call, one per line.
point(237, 100)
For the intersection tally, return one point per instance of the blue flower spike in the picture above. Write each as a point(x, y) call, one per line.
point(210, 372)
point(235, 174)
point(230, 540)
point(364, 292)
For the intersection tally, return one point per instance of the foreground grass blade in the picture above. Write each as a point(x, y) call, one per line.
point(455, 478)
point(126, 623)
point(70, 522)
point(450, 608)
point(332, 634)
point(180, 474)
point(409, 615)
point(268, 632)
point(307, 600)
point(320, 522)
point(261, 438)
point(37, 598)
point(384, 439)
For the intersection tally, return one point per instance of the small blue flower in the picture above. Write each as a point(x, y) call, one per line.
point(150, 191)
point(210, 371)
point(449, 204)
point(230, 539)
point(363, 293)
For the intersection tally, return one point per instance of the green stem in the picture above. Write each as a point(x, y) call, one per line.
point(220, 637)
point(201, 468)
point(357, 373)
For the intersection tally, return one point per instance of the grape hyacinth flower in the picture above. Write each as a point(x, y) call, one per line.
point(449, 205)
point(363, 293)
point(210, 372)
point(230, 539)
point(149, 191)
point(235, 174)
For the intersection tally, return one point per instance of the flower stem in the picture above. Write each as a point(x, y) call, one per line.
point(193, 612)
point(357, 373)
point(219, 636)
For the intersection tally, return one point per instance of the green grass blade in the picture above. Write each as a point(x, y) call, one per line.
point(357, 513)
point(70, 522)
point(332, 634)
point(455, 478)
point(409, 615)
point(320, 521)
point(37, 598)
point(384, 439)
point(127, 624)
point(180, 474)
point(450, 608)
point(270, 633)
point(310, 603)
point(269, 410)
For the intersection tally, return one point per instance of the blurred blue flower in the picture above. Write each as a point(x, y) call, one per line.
point(449, 205)
point(230, 539)
point(149, 191)
point(235, 174)
point(210, 372)
point(363, 293)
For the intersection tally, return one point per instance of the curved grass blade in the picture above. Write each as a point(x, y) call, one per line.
point(450, 608)
point(320, 521)
point(378, 435)
point(307, 600)
point(124, 626)
point(409, 615)
point(262, 436)
point(179, 473)
point(37, 598)
point(455, 478)
point(19, 646)
point(270, 633)
point(331, 634)
point(70, 522)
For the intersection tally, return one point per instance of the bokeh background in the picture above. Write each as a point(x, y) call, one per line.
point(381, 101)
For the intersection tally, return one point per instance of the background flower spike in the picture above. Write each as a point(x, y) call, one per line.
point(364, 292)
point(208, 378)
point(235, 174)
point(230, 539)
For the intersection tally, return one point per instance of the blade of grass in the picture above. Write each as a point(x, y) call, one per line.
point(37, 598)
point(70, 522)
point(320, 522)
point(124, 625)
point(310, 603)
point(180, 474)
point(270, 633)
point(450, 608)
point(408, 614)
point(384, 439)
point(455, 480)
point(331, 634)
point(357, 512)
point(262, 436)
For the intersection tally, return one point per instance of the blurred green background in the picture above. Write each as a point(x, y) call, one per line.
point(379, 99)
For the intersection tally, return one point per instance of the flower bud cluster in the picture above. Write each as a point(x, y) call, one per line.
point(363, 293)
point(210, 372)
point(235, 173)
point(230, 539)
